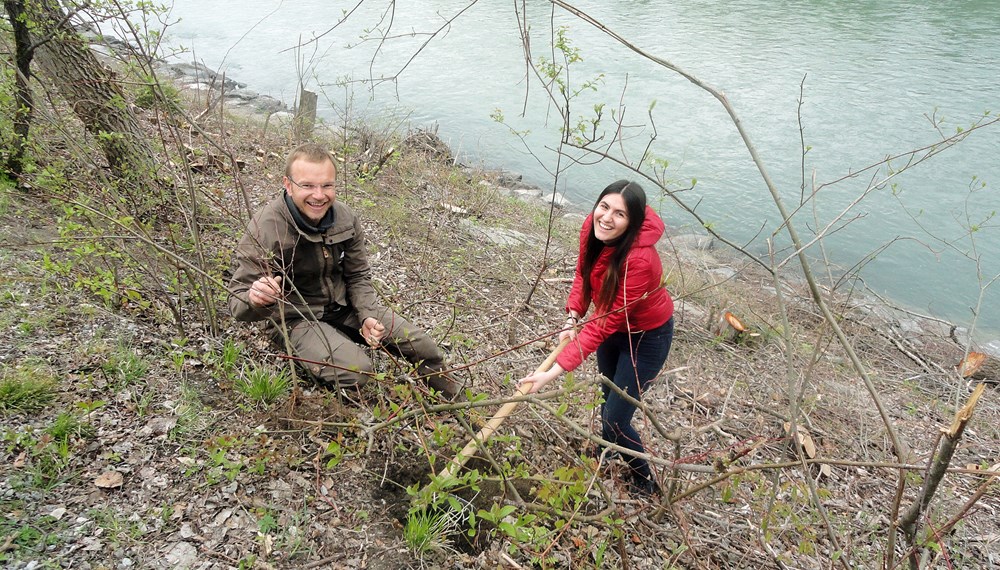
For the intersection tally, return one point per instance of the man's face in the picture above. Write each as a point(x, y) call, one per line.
point(312, 186)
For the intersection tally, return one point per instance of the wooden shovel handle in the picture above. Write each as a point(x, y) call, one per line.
point(491, 426)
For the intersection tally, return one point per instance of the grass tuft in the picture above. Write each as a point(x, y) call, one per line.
point(261, 385)
point(193, 417)
point(68, 425)
point(228, 357)
point(126, 365)
point(427, 530)
point(27, 388)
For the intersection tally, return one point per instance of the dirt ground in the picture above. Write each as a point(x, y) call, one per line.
point(166, 464)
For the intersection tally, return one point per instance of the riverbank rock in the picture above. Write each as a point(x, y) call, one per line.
point(196, 72)
point(199, 77)
point(512, 185)
point(693, 242)
point(556, 199)
point(497, 236)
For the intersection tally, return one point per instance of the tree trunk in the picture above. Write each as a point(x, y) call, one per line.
point(96, 98)
point(23, 52)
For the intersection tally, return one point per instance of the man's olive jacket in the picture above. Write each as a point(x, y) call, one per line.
point(320, 272)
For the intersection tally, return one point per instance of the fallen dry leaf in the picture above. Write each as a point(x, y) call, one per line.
point(807, 443)
point(109, 480)
point(266, 544)
point(159, 426)
point(804, 439)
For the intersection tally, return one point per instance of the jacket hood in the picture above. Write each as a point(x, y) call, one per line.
point(651, 231)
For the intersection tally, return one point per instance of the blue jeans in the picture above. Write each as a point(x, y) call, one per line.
point(631, 361)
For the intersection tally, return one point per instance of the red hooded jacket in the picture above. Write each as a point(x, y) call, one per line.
point(641, 276)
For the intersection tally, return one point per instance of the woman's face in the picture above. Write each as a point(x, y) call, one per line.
point(610, 218)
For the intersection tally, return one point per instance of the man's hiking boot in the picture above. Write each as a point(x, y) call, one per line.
point(448, 387)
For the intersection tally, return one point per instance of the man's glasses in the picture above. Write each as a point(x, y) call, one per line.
point(314, 187)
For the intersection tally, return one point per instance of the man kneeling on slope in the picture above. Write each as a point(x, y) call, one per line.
point(303, 267)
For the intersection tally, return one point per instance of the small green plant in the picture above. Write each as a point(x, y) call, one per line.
point(68, 426)
point(443, 433)
point(96, 263)
point(154, 94)
point(525, 531)
point(228, 357)
point(219, 464)
point(336, 452)
point(89, 406)
point(142, 401)
point(118, 529)
point(567, 490)
point(26, 388)
point(27, 536)
point(267, 523)
point(261, 385)
point(48, 456)
point(33, 322)
point(166, 513)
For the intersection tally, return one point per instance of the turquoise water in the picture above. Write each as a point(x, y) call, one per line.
point(873, 76)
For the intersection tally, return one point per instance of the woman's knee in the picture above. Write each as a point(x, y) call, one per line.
point(615, 424)
point(614, 429)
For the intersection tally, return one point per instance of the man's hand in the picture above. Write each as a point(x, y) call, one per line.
point(264, 291)
point(372, 331)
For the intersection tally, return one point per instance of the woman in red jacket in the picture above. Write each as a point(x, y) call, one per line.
point(620, 272)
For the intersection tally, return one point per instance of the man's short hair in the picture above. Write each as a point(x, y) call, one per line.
point(312, 152)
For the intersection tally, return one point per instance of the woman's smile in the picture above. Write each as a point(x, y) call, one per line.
point(610, 218)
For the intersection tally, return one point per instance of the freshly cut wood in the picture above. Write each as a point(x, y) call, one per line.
point(971, 364)
point(734, 322)
point(729, 327)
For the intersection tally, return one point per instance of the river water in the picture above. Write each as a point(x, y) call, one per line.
point(877, 79)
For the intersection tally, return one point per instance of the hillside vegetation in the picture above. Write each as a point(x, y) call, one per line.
point(143, 428)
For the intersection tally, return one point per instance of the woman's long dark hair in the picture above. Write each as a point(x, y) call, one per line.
point(635, 203)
